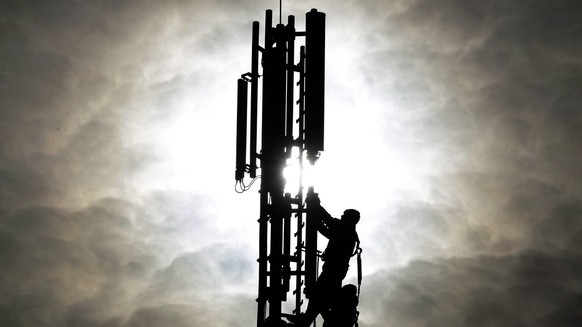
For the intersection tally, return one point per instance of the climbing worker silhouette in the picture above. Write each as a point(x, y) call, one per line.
point(343, 241)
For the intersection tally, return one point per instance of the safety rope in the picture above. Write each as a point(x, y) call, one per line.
point(358, 251)
point(359, 270)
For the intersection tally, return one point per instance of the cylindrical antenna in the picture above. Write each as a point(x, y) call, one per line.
point(254, 98)
point(241, 130)
point(315, 83)
point(290, 82)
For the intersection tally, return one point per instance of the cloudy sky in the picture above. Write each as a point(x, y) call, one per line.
point(453, 126)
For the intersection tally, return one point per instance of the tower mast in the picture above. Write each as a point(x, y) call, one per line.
point(290, 130)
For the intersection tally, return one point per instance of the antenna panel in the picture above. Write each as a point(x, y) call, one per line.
point(315, 82)
point(241, 129)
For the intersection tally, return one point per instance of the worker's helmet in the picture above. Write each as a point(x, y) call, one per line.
point(352, 215)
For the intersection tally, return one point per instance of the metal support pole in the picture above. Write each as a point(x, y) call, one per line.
point(310, 248)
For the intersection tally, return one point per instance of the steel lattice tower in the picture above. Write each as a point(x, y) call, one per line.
point(290, 130)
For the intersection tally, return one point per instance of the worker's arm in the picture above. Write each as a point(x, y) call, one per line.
point(326, 217)
point(324, 230)
point(325, 222)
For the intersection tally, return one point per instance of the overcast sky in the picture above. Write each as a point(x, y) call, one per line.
point(453, 126)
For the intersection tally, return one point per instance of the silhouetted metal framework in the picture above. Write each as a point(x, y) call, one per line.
point(286, 124)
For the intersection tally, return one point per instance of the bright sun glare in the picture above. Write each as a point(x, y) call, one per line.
point(348, 179)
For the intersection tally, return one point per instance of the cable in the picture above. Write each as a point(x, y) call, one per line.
point(240, 187)
point(247, 187)
point(236, 187)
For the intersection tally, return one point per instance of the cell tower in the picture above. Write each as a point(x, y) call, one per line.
point(290, 130)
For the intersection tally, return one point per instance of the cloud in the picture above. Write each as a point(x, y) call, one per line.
point(529, 289)
point(213, 271)
point(100, 264)
point(481, 90)
point(479, 102)
point(86, 89)
point(55, 259)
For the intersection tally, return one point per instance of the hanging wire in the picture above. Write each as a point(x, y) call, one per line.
point(241, 187)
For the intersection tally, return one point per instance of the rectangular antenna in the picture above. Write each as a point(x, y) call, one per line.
point(267, 87)
point(254, 99)
point(241, 129)
point(315, 82)
point(290, 82)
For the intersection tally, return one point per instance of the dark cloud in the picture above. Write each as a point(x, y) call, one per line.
point(217, 269)
point(55, 259)
point(528, 289)
point(103, 266)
